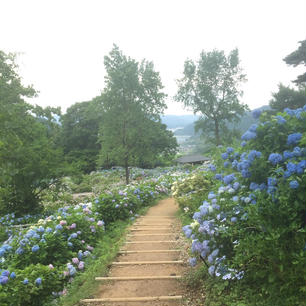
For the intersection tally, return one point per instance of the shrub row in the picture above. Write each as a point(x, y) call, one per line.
point(38, 262)
point(250, 228)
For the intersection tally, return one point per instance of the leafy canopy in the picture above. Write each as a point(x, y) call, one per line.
point(79, 136)
point(297, 58)
point(210, 87)
point(132, 102)
point(29, 160)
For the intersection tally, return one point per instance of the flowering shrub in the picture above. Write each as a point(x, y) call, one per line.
point(191, 189)
point(29, 286)
point(121, 204)
point(250, 229)
point(47, 248)
point(36, 263)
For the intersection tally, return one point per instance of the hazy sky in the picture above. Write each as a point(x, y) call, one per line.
point(62, 43)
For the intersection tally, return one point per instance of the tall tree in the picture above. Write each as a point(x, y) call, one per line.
point(79, 137)
point(132, 97)
point(296, 58)
point(211, 87)
point(29, 161)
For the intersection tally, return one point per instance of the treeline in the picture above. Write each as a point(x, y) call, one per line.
point(211, 87)
point(121, 127)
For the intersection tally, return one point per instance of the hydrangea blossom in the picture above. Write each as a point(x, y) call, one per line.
point(38, 281)
point(253, 128)
point(294, 138)
point(281, 119)
point(256, 113)
point(248, 135)
point(229, 178)
point(287, 155)
point(58, 227)
point(291, 167)
point(3, 280)
point(294, 184)
point(193, 261)
point(275, 158)
point(211, 270)
point(229, 150)
point(272, 181)
point(35, 248)
point(226, 164)
point(212, 167)
point(224, 155)
point(254, 186)
point(218, 176)
point(236, 185)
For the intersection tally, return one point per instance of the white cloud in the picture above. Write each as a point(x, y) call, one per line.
point(64, 42)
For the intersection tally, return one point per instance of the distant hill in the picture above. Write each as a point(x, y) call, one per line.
point(187, 130)
point(175, 121)
point(246, 121)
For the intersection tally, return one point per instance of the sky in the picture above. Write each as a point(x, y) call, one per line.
point(61, 44)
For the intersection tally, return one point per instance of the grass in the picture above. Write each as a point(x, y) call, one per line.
point(84, 285)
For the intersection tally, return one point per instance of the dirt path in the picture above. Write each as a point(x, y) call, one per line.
point(147, 269)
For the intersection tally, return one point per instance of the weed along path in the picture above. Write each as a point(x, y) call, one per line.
point(147, 269)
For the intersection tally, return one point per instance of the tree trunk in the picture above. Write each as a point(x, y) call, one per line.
point(217, 135)
point(127, 172)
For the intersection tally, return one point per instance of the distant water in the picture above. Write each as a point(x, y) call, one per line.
point(181, 138)
point(175, 129)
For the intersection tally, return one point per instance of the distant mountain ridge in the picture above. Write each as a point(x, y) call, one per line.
point(186, 122)
point(176, 121)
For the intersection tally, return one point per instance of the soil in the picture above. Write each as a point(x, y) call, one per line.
point(160, 220)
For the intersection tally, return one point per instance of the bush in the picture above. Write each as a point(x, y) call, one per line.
point(250, 229)
point(48, 255)
point(121, 204)
point(190, 191)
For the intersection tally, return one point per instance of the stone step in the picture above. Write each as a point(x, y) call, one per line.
point(130, 278)
point(160, 262)
point(147, 251)
point(134, 299)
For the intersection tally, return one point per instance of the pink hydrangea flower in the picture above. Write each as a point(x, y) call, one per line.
point(75, 260)
point(63, 222)
point(100, 223)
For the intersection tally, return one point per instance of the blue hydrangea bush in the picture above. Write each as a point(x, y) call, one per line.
point(249, 232)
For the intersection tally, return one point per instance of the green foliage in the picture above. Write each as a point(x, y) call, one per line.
point(253, 218)
point(211, 87)
point(190, 191)
point(121, 204)
point(59, 247)
point(31, 294)
point(132, 102)
point(28, 157)
point(287, 97)
point(79, 136)
point(297, 58)
point(106, 250)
